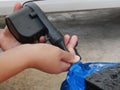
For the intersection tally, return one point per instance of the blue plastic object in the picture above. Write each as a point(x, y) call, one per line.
point(75, 79)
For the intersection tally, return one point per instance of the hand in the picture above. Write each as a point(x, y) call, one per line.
point(7, 41)
point(44, 57)
point(53, 59)
point(71, 42)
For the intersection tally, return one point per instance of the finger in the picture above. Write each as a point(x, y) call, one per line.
point(7, 32)
point(65, 66)
point(73, 41)
point(66, 39)
point(76, 59)
point(66, 56)
point(42, 39)
point(71, 50)
point(17, 6)
point(70, 58)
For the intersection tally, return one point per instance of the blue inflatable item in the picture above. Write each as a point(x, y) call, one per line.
point(75, 79)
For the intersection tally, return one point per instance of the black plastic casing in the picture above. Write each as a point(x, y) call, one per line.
point(25, 25)
point(30, 22)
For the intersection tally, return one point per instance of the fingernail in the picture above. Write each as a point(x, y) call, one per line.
point(77, 58)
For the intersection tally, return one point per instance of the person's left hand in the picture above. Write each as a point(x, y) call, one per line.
point(7, 40)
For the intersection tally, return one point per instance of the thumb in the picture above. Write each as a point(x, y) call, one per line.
point(17, 6)
point(69, 57)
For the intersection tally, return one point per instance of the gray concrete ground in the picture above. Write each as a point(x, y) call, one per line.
point(99, 35)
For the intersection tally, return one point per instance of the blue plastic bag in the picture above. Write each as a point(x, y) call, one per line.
point(75, 79)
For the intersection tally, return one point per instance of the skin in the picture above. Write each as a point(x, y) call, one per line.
point(17, 57)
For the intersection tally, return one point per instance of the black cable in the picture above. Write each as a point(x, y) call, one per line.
point(31, 1)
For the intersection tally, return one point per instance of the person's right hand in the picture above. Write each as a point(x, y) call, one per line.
point(44, 57)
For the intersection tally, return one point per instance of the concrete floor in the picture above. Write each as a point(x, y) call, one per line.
point(99, 40)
